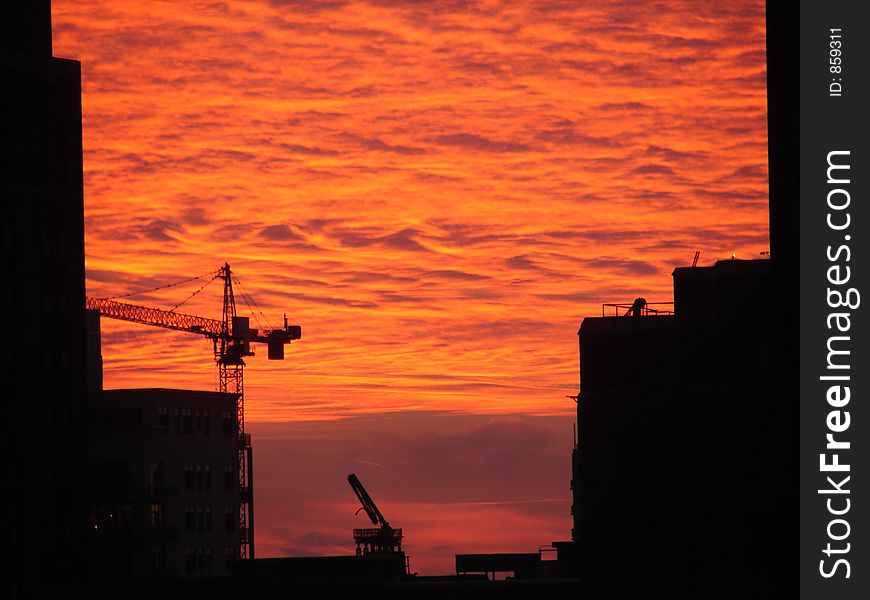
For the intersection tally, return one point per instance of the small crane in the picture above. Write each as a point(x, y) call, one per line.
point(232, 338)
point(383, 540)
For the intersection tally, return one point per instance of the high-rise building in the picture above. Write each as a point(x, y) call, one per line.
point(686, 466)
point(676, 468)
point(163, 487)
point(42, 513)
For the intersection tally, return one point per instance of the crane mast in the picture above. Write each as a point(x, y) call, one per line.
point(232, 337)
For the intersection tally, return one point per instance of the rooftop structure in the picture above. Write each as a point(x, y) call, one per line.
point(673, 419)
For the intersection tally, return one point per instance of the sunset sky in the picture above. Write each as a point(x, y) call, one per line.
point(438, 192)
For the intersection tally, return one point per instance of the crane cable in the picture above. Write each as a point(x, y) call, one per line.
point(214, 274)
point(249, 300)
point(205, 285)
point(244, 297)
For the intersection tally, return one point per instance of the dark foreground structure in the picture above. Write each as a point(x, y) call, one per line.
point(42, 515)
point(686, 473)
point(686, 470)
point(677, 474)
point(162, 490)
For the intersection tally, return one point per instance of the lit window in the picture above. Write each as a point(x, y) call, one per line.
point(155, 515)
point(154, 477)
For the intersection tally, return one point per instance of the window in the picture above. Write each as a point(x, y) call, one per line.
point(163, 419)
point(190, 560)
point(227, 419)
point(186, 421)
point(230, 518)
point(230, 553)
point(206, 476)
point(207, 509)
point(111, 520)
point(199, 477)
point(206, 424)
point(189, 478)
point(177, 420)
point(158, 559)
point(189, 517)
point(197, 419)
point(201, 520)
point(154, 476)
point(229, 478)
point(208, 563)
point(155, 515)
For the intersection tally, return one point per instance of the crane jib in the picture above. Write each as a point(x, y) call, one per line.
point(211, 328)
point(154, 316)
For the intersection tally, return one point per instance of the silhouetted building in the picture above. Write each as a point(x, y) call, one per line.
point(163, 484)
point(673, 417)
point(43, 522)
point(783, 110)
point(163, 487)
point(687, 464)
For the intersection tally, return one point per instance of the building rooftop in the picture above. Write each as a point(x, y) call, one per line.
point(165, 395)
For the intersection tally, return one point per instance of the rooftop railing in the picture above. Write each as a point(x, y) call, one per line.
point(647, 309)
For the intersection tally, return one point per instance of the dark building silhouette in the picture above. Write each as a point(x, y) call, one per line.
point(673, 418)
point(42, 526)
point(163, 489)
point(783, 118)
point(686, 468)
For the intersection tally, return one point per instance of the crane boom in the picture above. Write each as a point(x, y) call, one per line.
point(232, 337)
point(367, 503)
point(383, 540)
point(211, 328)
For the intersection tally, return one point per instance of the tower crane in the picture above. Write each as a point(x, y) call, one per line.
point(232, 337)
point(383, 540)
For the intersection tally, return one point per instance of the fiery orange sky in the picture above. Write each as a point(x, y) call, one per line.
point(438, 192)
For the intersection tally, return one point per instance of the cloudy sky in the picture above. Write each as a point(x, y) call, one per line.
point(438, 192)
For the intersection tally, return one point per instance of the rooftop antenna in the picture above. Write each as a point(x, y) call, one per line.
point(695, 260)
